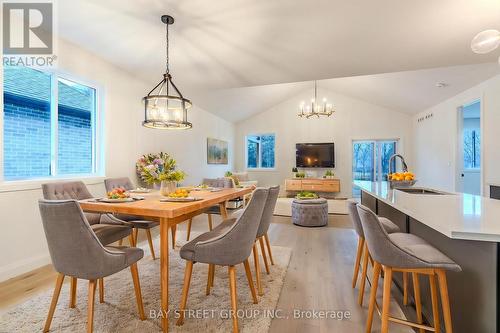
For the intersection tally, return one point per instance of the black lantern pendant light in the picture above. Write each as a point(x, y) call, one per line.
point(164, 106)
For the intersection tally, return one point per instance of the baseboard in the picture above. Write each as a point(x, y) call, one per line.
point(20, 267)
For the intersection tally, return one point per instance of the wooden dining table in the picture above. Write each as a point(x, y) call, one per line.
point(169, 214)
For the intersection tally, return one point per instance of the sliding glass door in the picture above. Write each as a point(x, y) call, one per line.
point(370, 160)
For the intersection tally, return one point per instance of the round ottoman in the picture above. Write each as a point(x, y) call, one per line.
point(310, 212)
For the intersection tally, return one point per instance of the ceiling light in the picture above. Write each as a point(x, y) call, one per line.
point(164, 106)
point(485, 41)
point(316, 109)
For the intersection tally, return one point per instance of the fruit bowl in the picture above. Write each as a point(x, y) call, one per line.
point(401, 179)
point(118, 194)
point(305, 195)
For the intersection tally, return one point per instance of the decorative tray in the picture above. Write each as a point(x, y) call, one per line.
point(107, 200)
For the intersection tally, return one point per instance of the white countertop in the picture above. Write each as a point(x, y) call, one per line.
point(455, 215)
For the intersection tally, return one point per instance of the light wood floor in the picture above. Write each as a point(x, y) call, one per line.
point(318, 278)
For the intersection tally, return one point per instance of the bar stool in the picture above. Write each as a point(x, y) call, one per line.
point(402, 252)
point(363, 253)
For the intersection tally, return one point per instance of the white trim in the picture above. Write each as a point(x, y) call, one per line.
point(35, 184)
point(23, 266)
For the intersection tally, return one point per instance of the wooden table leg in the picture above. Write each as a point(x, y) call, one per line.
point(223, 210)
point(164, 272)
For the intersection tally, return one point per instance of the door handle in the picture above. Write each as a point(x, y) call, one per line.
point(463, 175)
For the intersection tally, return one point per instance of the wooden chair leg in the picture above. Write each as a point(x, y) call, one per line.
point(209, 278)
point(150, 241)
point(189, 229)
point(445, 301)
point(373, 296)
point(361, 294)
point(250, 281)
point(120, 242)
point(418, 302)
point(405, 288)
point(185, 291)
point(263, 250)
point(101, 290)
point(359, 254)
point(257, 269)
point(137, 290)
point(136, 236)
point(386, 300)
point(90, 307)
point(173, 229)
point(210, 225)
point(268, 245)
point(72, 298)
point(131, 239)
point(212, 276)
point(435, 305)
point(53, 303)
point(234, 300)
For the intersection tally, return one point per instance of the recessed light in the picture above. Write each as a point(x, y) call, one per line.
point(441, 85)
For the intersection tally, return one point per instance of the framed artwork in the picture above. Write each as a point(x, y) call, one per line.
point(217, 151)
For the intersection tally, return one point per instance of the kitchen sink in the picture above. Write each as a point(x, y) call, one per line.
point(419, 190)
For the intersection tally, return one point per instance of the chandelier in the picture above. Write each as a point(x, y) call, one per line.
point(164, 105)
point(315, 109)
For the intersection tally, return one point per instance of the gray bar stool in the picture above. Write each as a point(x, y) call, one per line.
point(402, 252)
point(363, 253)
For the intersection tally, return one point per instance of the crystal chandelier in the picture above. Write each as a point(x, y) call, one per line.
point(164, 106)
point(315, 109)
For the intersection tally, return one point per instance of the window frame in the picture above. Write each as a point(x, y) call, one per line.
point(259, 165)
point(98, 142)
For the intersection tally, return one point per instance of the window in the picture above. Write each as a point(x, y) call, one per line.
point(472, 148)
point(49, 125)
point(260, 151)
point(370, 161)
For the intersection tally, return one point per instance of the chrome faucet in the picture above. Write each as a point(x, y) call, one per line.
point(405, 167)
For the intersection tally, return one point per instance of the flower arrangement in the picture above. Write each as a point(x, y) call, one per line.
point(155, 168)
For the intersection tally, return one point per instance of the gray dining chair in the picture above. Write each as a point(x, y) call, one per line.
point(404, 252)
point(364, 254)
point(229, 244)
point(136, 221)
point(223, 182)
point(107, 228)
point(262, 237)
point(76, 251)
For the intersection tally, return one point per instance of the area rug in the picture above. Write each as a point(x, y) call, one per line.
point(119, 312)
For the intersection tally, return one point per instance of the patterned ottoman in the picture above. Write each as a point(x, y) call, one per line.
point(310, 212)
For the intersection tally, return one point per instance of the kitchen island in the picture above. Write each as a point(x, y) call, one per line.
point(467, 229)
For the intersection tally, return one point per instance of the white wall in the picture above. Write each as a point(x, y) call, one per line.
point(353, 120)
point(435, 139)
point(23, 244)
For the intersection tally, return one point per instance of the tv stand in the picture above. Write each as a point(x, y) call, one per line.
point(328, 185)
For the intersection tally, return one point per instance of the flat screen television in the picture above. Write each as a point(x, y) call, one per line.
point(315, 155)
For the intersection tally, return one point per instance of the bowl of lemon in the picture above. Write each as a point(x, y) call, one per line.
point(179, 195)
point(401, 179)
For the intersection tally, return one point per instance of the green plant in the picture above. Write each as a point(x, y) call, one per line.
point(228, 174)
point(329, 173)
point(300, 175)
point(306, 195)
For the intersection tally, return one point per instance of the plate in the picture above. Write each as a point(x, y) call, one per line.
point(188, 199)
point(140, 190)
point(116, 200)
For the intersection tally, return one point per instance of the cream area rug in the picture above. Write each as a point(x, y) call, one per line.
point(119, 312)
point(284, 207)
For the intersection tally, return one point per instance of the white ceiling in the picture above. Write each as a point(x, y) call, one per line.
point(236, 58)
point(235, 43)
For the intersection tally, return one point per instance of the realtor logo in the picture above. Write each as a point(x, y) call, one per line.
point(27, 28)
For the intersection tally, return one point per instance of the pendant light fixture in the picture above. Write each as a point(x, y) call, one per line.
point(315, 109)
point(485, 42)
point(164, 106)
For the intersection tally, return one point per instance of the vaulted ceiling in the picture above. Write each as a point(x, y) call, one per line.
point(229, 44)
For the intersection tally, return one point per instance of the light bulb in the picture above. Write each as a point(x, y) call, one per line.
point(485, 41)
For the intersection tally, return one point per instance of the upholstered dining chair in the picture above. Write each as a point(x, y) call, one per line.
point(262, 237)
point(76, 251)
point(223, 182)
point(229, 244)
point(107, 228)
point(136, 221)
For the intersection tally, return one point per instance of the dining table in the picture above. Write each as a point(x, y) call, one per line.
point(169, 214)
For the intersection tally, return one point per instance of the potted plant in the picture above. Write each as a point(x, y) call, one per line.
point(160, 171)
point(236, 181)
point(300, 175)
point(329, 174)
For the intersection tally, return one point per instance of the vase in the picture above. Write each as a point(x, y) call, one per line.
point(167, 187)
